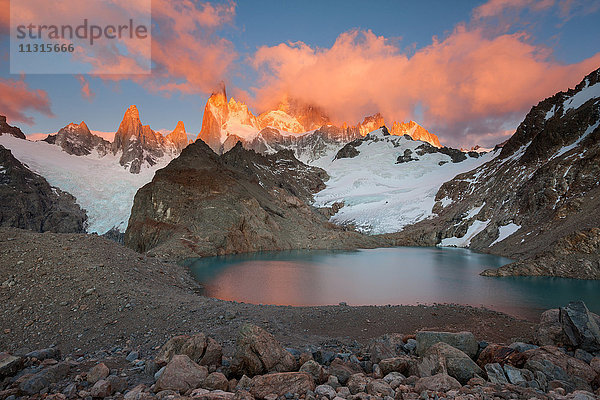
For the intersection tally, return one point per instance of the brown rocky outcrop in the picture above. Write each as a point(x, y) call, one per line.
point(257, 352)
point(27, 201)
point(203, 204)
point(5, 128)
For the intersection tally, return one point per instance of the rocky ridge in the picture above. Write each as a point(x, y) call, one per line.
point(291, 125)
point(29, 202)
point(536, 200)
point(139, 144)
point(5, 128)
point(393, 366)
point(204, 204)
point(76, 139)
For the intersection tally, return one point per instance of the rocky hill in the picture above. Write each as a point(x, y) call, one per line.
point(538, 200)
point(203, 204)
point(27, 201)
point(5, 128)
point(78, 140)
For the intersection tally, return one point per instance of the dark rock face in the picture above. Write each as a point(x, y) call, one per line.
point(580, 327)
point(5, 128)
point(78, 140)
point(349, 150)
point(406, 157)
point(27, 201)
point(543, 182)
point(202, 204)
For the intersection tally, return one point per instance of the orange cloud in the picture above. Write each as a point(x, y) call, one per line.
point(17, 98)
point(465, 84)
point(86, 92)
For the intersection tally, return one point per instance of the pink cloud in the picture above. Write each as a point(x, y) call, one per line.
point(86, 92)
point(466, 84)
point(17, 98)
point(495, 8)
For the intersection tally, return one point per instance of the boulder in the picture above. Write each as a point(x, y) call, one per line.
point(443, 358)
point(580, 327)
point(379, 388)
point(498, 354)
point(315, 370)
point(357, 383)
point(549, 331)
point(216, 381)
point(117, 383)
point(326, 391)
point(257, 352)
point(403, 364)
point(43, 354)
point(438, 383)
point(97, 372)
point(553, 356)
point(464, 341)
point(35, 383)
point(281, 383)
point(343, 370)
point(387, 346)
point(516, 375)
point(101, 389)
point(181, 374)
point(496, 374)
point(200, 348)
point(9, 365)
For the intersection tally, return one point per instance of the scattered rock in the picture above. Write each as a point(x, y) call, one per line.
point(403, 364)
point(326, 390)
point(216, 381)
point(181, 374)
point(117, 383)
point(9, 365)
point(439, 383)
point(36, 383)
point(315, 370)
point(443, 358)
point(51, 352)
point(200, 348)
point(357, 383)
point(101, 389)
point(258, 352)
point(281, 383)
point(99, 371)
point(464, 341)
point(343, 370)
point(380, 388)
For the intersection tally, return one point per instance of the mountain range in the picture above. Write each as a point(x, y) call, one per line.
point(532, 198)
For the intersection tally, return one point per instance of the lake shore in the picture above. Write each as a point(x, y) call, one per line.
point(80, 291)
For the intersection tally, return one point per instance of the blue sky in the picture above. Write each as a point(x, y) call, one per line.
point(407, 25)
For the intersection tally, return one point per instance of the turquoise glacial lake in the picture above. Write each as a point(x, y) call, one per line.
point(401, 275)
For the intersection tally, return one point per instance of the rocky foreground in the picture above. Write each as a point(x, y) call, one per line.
point(393, 366)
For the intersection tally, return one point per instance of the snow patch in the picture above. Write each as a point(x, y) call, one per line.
point(505, 231)
point(579, 99)
point(473, 211)
point(381, 196)
point(465, 241)
point(571, 146)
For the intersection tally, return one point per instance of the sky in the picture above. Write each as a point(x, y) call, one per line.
point(467, 71)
